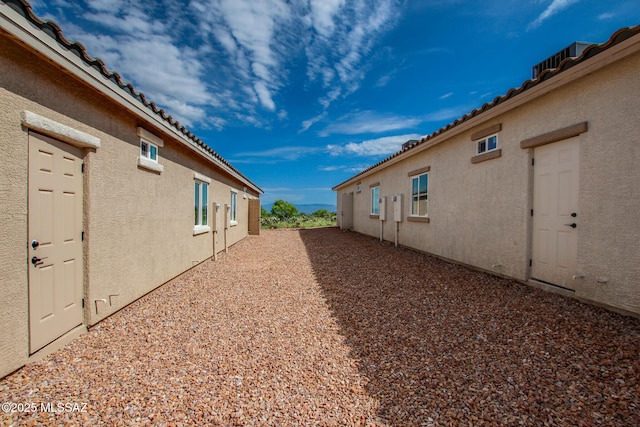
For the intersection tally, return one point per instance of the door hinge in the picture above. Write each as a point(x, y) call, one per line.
point(533, 162)
point(82, 236)
point(530, 263)
point(531, 212)
point(82, 302)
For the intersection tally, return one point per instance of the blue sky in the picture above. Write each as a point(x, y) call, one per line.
point(300, 95)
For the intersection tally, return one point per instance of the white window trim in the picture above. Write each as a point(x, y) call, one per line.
point(486, 141)
point(199, 177)
point(197, 228)
point(375, 201)
point(231, 208)
point(411, 178)
point(147, 162)
point(201, 229)
point(148, 155)
point(144, 161)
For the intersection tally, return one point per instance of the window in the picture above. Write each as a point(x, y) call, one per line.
point(234, 208)
point(375, 205)
point(201, 214)
point(149, 146)
point(419, 190)
point(148, 150)
point(487, 144)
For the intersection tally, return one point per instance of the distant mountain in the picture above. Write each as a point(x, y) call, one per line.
point(308, 209)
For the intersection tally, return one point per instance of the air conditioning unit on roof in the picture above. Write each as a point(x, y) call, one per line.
point(572, 51)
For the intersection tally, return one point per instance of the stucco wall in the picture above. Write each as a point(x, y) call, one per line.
point(138, 224)
point(480, 213)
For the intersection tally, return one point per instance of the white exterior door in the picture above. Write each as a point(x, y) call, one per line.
point(556, 220)
point(346, 212)
point(55, 239)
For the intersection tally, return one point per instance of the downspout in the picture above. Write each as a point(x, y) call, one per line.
point(382, 215)
point(227, 222)
point(397, 214)
point(216, 208)
point(397, 229)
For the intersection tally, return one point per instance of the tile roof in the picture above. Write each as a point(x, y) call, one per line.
point(53, 30)
point(591, 51)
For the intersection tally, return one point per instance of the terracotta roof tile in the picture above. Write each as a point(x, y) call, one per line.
point(53, 30)
point(591, 51)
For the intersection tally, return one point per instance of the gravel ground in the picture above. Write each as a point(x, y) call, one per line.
point(321, 327)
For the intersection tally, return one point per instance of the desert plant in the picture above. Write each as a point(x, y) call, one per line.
point(283, 210)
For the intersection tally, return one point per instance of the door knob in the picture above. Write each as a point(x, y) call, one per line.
point(35, 244)
point(37, 261)
point(572, 225)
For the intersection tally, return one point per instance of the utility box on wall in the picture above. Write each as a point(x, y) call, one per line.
point(215, 209)
point(383, 208)
point(227, 216)
point(397, 207)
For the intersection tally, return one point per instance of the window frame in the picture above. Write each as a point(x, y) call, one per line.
point(485, 140)
point(148, 154)
point(233, 206)
point(411, 203)
point(201, 206)
point(375, 200)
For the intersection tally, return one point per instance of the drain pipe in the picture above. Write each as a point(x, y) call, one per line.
point(382, 211)
point(397, 229)
point(397, 213)
point(216, 209)
point(227, 224)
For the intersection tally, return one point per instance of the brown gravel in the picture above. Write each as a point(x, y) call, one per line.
point(321, 327)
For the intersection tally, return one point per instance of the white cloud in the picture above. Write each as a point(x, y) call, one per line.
point(310, 122)
point(605, 16)
point(248, 30)
point(445, 96)
point(288, 153)
point(337, 56)
point(369, 122)
point(236, 54)
point(556, 6)
point(373, 147)
point(264, 95)
point(447, 114)
point(323, 13)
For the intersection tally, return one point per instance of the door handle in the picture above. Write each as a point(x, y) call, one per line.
point(572, 225)
point(37, 261)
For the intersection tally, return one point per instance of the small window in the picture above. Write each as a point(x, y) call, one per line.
point(375, 204)
point(148, 150)
point(487, 144)
point(419, 195)
point(234, 208)
point(201, 196)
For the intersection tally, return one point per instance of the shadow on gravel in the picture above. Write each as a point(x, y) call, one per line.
point(441, 344)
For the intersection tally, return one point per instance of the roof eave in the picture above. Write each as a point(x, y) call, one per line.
point(543, 85)
point(19, 27)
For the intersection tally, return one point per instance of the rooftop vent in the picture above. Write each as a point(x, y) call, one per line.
point(409, 143)
point(572, 51)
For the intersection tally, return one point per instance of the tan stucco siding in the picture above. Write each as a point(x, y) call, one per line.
point(479, 214)
point(139, 225)
point(468, 220)
point(14, 316)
